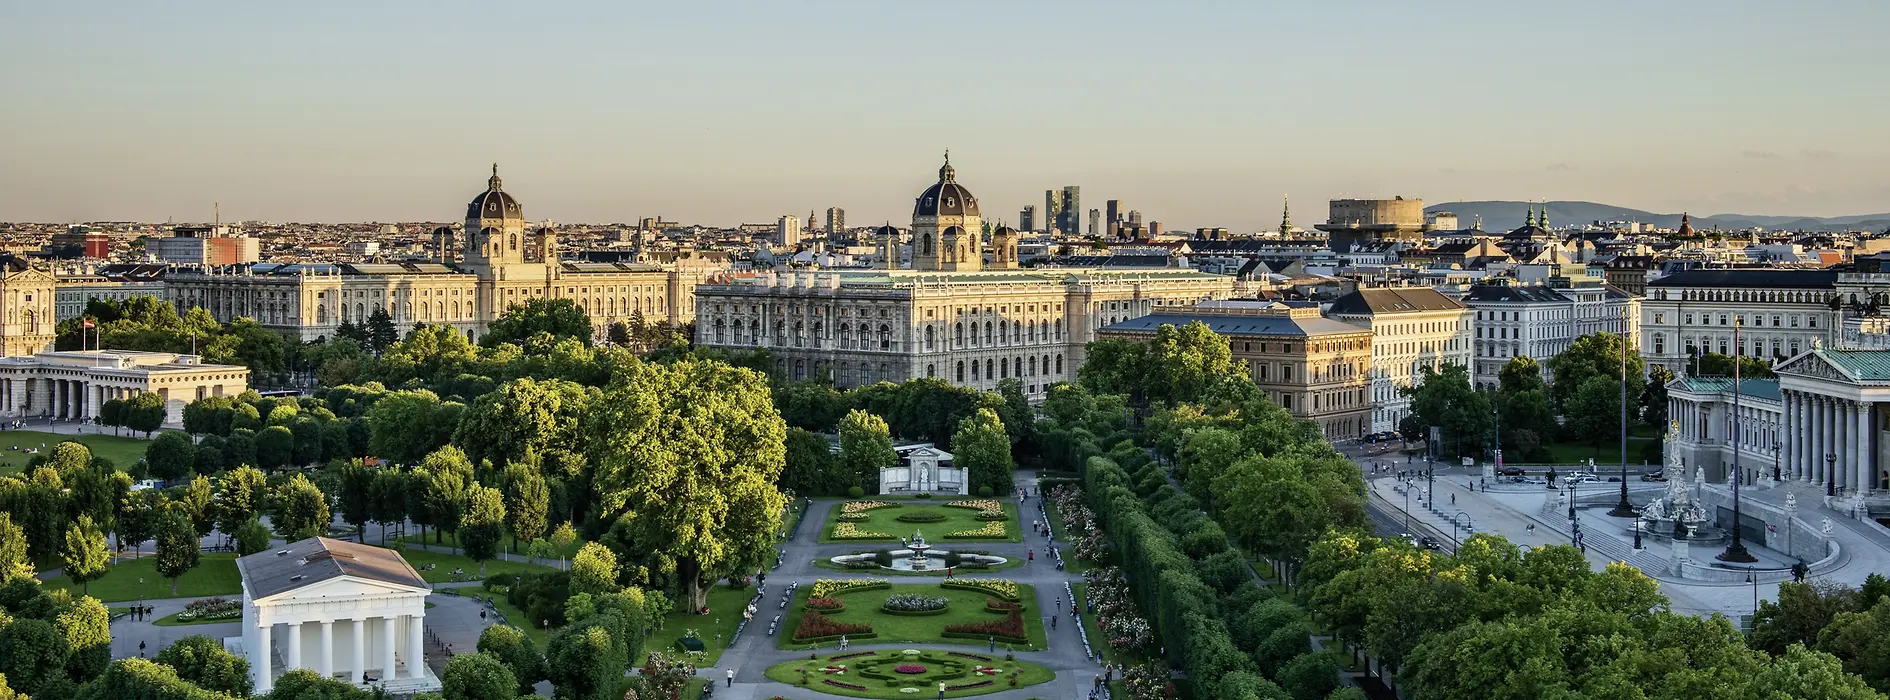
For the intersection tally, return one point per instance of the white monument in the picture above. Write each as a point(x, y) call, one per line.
point(358, 610)
point(923, 468)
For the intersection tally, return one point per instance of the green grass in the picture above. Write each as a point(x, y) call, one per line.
point(171, 621)
point(956, 520)
point(795, 509)
point(1608, 453)
point(449, 539)
point(215, 575)
point(863, 608)
point(1010, 563)
point(788, 672)
point(725, 612)
point(444, 564)
point(122, 451)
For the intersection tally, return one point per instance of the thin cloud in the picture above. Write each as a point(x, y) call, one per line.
point(1818, 154)
point(1759, 155)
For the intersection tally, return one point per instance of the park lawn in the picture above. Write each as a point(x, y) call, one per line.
point(171, 621)
point(451, 539)
point(885, 520)
point(789, 672)
point(444, 564)
point(1608, 453)
point(122, 451)
point(725, 613)
point(214, 575)
point(863, 608)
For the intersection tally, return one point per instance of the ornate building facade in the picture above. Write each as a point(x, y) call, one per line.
point(490, 265)
point(952, 316)
point(27, 295)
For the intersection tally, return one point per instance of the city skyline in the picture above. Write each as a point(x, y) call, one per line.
point(1198, 115)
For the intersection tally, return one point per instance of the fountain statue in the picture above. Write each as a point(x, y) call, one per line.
point(914, 555)
point(918, 547)
point(1677, 511)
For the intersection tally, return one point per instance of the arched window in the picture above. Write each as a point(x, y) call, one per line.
point(927, 243)
point(885, 337)
point(321, 313)
point(754, 331)
point(1004, 368)
point(928, 338)
point(987, 333)
point(961, 371)
point(800, 335)
point(800, 370)
point(1033, 366)
point(719, 330)
point(846, 335)
point(780, 333)
point(866, 337)
point(1059, 364)
point(974, 370)
point(929, 370)
point(958, 335)
point(514, 241)
point(820, 335)
point(989, 373)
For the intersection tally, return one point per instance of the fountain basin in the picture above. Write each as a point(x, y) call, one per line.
point(903, 559)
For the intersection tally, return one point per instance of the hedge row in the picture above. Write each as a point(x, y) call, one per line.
point(883, 610)
point(972, 635)
point(834, 638)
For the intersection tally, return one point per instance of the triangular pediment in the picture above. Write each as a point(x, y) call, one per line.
point(1813, 364)
point(342, 587)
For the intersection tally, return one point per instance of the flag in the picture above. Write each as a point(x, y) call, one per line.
point(88, 323)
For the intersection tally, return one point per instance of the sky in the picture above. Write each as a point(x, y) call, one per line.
point(1195, 113)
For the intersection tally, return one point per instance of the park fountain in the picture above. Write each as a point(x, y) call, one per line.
point(1678, 514)
point(918, 546)
point(917, 556)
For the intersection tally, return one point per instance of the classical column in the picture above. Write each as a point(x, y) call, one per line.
point(416, 647)
point(1798, 430)
point(360, 650)
point(293, 659)
point(387, 649)
point(327, 664)
point(1860, 468)
point(264, 677)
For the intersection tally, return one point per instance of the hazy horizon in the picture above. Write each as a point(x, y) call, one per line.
point(1196, 114)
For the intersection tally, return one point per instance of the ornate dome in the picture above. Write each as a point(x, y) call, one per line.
point(494, 203)
point(947, 197)
point(1004, 231)
point(887, 231)
point(951, 231)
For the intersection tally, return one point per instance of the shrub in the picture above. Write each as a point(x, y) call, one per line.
point(817, 626)
point(1010, 629)
point(1310, 677)
point(855, 492)
point(985, 491)
point(211, 609)
point(920, 516)
point(914, 603)
point(923, 495)
point(828, 587)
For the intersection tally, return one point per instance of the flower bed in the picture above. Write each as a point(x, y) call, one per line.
point(1009, 630)
point(817, 626)
point(211, 609)
point(1000, 587)
point(909, 668)
point(992, 530)
point(994, 605)
point(843, 684)
point(968, 655)
point(850, 531)
point(968, 686)
point(914, 604)
point(988, 509)
point(920, 516)
point(851, 655)
point(828, 587)
point(826, 604)
point(851, 507)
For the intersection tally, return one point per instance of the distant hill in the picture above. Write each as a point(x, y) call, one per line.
point(1503, 216)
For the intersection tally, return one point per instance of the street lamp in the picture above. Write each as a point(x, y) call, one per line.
point(1623, 509)
point(1737, 550)
point(1775, 449)
point(1454, 524)
point(1830, 469)
point(1637, 533)
point(1407, 509)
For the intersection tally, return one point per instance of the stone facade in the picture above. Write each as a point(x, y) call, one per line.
point(73, 385)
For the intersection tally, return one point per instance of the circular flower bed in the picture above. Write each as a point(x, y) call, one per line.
point(920, 516)
point(910, 668)
point(914, 604)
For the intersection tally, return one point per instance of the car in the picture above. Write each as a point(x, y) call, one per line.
point(1614, 480)
point(1430, 543)
point(1510, 471)
point(1654, 476)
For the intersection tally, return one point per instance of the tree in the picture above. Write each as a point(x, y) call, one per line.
point(562, 538)
point(479, 676)
point(177, 551)
point(1526, 412)
point(581, 663)
point(275, 446)
point(865, 448)
point(443, 479)
point(1311, 677)
point(1800, 612)
point(1654, 398)
point(357, 496)
point(562, 318)
point(301, 509)
point(1593, 355)
point(811, 468)
point(1176, 365)
point(84, 556)
point(516, 650)
point(251, 537)
point(237, 493)
point(304, 684)
point(522, 416)
point(306, 433)
point(687, 456)
point(407, 425)
point(380, 330)
point(202, 660)
point(1445, 399)
point(984, 451)
point(1520, 374)
point(594, 570)
point(1713, 364)
point(527, 502)
point(15, 562)
point(483, 524)
point(145, 414)
point(112, 413)
point(171, 456)
point(137, 520)
point(32, 655)
point(87, 627)
point(1594, 410)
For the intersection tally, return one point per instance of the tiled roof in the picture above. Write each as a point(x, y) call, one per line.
point(1862, 364)
point(1400, 300)
point(1528, 293)
point(1755, 388)
point(297, 564)
point(1233, 325)
point(1750, 277)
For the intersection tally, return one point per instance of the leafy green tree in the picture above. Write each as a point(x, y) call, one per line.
point(87, 627)
point(407, 425)
point(1205, 454)
point(197, 499)
point(1713, 364)
point(522, 416)
point(984, 451)
point(431, 354)
point(202, 661)
point(1861, 640)
point(1445, 399)
point(112, 413)
point(251, 537)
point(1520, 374)
point(15, 562)
point(304, 684)
point(137, 520)
point(594, 570)
point(811, 405)
point(865, 448)
point(177, 551)
point(527, 502)
point(171, 456)
point(1177, 364)
point(478, 676)
point(391, 488)
point(32, 655)
point(562, 318)
point(562, 537)
point(517, 651)
point(237, 494)
point(84, 557)
point(380, 330)
point(1593, 355)
point(811, 468)
point(443, 479)
point(145, 413)
point(275, 446)
point(1654, 397)
point(306, 434)
point(582, 663)
point(41, 510)
point(687, 455)
point(1278, 506)
point(357, 497)
point(483, 524)
point(1594, 411)
point(1311, 677)
point(1799, 613)
point(301, 509)
point(1526, 411)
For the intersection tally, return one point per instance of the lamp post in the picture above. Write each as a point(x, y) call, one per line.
point(1637, 533)
point(1496, 418)
point(1623, 509)
point(1574, 519)
point(1407, 509)
point(1830, 469)
point(1737, 550)
point(1775, 449)
point(1454, 524)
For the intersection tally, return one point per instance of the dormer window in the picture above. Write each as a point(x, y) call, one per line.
point(951, 201)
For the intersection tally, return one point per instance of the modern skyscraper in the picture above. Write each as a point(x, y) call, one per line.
point(1070, 218)
point(1027, 219)
point(1154, 230)
point(1112, 213)
point(1052, 209)
point(1095, 221)
point(836, 220)
point(787, 231)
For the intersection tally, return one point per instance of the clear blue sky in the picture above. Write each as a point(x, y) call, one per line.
point(1198, 114)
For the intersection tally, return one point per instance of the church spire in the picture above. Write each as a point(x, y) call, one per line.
point(945, 172)
point(1543, 220)
point(1286, 216)
point(1531, 220)
point(493, 183)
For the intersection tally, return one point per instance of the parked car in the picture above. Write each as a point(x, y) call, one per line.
point(1430, 543)
point(1510, 471)
point(1614, 480)
point(1654, 476)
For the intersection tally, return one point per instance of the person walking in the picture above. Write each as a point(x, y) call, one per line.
point(1030, 555)
point(1053, 622)
point(731, 678)
point(941, 690)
